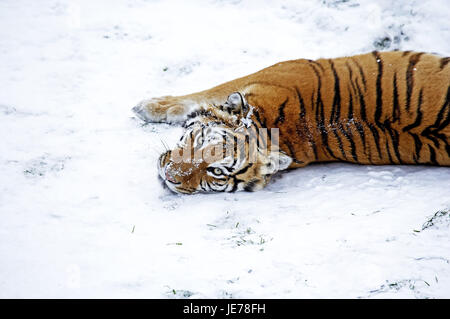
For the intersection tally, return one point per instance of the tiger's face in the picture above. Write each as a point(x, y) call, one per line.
point(217, 158)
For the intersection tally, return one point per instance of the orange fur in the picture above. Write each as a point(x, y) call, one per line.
point(377, 112)
point(375, 108)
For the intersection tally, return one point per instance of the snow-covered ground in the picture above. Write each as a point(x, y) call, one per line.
point(82, 213)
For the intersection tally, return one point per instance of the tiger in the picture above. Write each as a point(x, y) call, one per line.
point(376, 108)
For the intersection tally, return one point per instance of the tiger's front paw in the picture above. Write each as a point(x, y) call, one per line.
point(151, 110)
point(162, 109)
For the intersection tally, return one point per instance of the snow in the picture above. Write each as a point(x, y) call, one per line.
point(84, 215)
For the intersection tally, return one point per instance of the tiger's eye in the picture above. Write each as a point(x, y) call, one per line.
point(217, 171)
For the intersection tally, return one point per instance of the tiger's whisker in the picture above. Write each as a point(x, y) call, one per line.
point(164, 144)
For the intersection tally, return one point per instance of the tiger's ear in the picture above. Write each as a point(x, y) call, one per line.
point(237, 103)
point(277, 162)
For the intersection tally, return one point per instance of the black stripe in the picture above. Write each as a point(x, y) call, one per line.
point(405, 53)
point(379, 102)
point(320, 115)
point(437, 124)
point(410, 77)
point(441, 137)
point(350, 105)
point(317, 64)
point(348, 131)
point(376, 137)
point(395, 140)
point(235, 185)
point(235, 150)
point(432, 155)
point(302, 108)
point(362, 110)
point(281, 116)
point(349, 136)
point(440, 124)
point(291, 150)
point(243, 170)
point(418, 117)
point(352, 146)
point(396, 106)
point(388, 151)
point(201, 186)
point(433, 139)
point(418, 146)
point(262, 137)
point(236, 182)
point(185, 125)
point(335, 114)
point(359, 127)
point(229, 169)
point(192, 115)
point(261, 122)
point(362, 103)
point(379, 91)
point(250, 186)
point(341, 147)
point(186, 190)
point(336, 107)
point(246, 152)
point(361, 73)
point(203, 136)
point(203, 113)
point(444, 62)
point(446, 104)
point(372, 129)
point(255, 135)
point(220, 190)
point(210, 186)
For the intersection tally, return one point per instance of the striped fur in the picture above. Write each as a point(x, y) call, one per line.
point(376, 108)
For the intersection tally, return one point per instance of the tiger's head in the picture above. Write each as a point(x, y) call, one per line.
point(221, 150)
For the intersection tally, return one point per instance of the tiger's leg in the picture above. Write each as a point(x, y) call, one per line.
point(175, 109)
point(168, 109)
